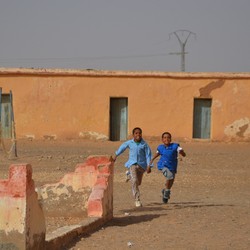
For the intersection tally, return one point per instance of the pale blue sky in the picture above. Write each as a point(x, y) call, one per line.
point(125, 34)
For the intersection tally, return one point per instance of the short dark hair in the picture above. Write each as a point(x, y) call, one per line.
point(166, 133)
point(137, 128)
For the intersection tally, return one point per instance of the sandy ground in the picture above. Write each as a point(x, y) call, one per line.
point(209, 206)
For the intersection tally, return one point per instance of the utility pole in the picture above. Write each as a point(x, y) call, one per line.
point(182, 36)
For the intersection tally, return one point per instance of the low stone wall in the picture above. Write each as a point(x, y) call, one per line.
point(100, 203)
point(22, 220)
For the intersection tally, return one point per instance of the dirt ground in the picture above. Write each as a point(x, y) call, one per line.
point(209, 206)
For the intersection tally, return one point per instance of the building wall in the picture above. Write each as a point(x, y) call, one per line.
point(71, 103)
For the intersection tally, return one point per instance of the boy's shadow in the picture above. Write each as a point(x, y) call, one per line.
point(131, 219)
point(149, 207)
point(158, 211)
point(190, 204)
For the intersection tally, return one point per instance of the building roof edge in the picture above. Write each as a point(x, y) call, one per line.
point(109, 73)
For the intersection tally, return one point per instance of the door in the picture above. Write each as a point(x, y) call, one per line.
point(118, 119)
point(202, 118)
point(6, 116)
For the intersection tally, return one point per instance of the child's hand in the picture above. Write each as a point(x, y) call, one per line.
point(112, 158)
point(148, 169)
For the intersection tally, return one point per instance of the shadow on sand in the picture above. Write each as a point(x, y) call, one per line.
point(158, 207)
point(131, 219)
point(153, 211)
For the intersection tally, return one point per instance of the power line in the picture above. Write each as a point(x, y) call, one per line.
point(59, 59)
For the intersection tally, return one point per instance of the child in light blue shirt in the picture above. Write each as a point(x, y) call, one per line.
point(138, 162)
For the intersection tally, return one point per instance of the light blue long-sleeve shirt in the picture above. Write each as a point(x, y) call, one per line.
point(139, 153)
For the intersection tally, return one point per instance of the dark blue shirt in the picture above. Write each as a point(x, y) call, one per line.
point(169, 156)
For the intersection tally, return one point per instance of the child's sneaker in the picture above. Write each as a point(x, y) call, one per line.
point(165, 195)
point(128, 176)
point(138, 203)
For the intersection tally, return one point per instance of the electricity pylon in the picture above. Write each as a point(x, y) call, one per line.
point(182, 36)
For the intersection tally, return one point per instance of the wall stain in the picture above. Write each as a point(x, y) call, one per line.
point(242, 130)
point(206, 91)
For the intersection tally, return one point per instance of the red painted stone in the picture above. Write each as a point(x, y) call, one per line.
point(19, 183)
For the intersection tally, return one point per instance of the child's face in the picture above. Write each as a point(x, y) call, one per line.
point(166, 139)
point(137, 135)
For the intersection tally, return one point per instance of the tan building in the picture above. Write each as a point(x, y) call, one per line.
point(108, 105)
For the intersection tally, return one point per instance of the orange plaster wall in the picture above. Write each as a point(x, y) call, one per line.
point(66, 104)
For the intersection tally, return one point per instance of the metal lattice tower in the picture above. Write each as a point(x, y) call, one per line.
point(182, 37)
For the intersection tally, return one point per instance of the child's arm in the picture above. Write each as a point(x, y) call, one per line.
point(155, 156)
point(151, 162)
point(120, 150)
point(113, 158)
point(148, 158)
point(148, 169)
point(182, 153)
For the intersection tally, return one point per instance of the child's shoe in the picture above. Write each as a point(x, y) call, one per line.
point(128, 176)
point(165, 195)
point(138, 203)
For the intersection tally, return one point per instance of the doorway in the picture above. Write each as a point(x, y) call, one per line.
point(118, 119)
point(6, 115)
point(202, 118)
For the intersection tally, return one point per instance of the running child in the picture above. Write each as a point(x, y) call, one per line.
point(168, 162)
point(138, 162)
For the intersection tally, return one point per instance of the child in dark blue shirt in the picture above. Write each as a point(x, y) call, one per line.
point(168, 162)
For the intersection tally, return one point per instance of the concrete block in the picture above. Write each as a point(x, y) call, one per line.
point(22, 223)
